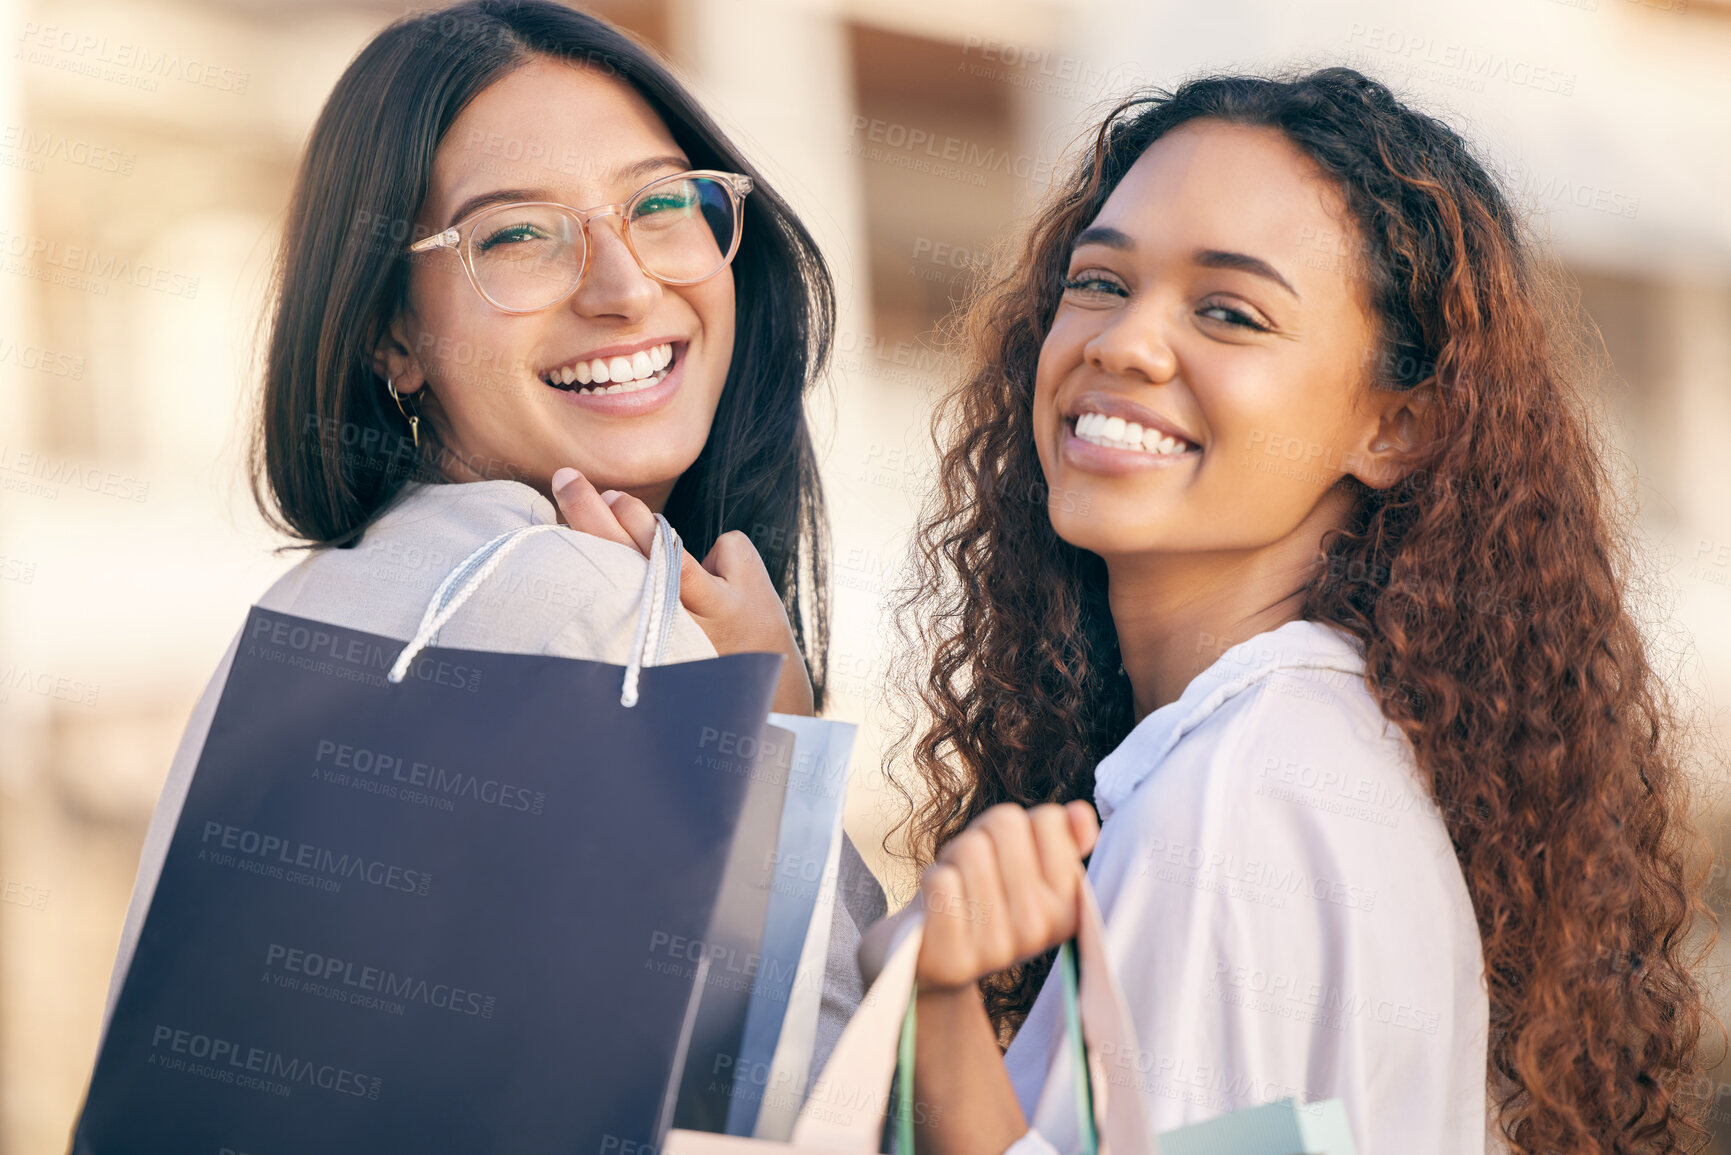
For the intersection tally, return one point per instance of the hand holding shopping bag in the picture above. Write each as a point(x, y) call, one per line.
point(729, 594)
point(845, 1112)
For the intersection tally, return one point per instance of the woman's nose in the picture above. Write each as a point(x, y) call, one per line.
point(1133, 345)
point(613, 285)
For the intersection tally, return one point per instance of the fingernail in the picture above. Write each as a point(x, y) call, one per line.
point(610, 496)
point(563, 477)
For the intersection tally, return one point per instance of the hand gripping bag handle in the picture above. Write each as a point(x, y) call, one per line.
point(865, 1056)
point(656, 609)
point(843, 1114)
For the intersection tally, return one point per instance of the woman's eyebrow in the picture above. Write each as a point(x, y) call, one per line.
point(1104, 235)
point(1244, 263)
point(502, 196)
point(631, 172)
point(653, 164)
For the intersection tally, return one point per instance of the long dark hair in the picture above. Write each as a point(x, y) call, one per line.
point(332, 451)
point(1486, 587)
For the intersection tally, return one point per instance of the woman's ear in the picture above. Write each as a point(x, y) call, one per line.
point(393, 361)
point(1401, 430)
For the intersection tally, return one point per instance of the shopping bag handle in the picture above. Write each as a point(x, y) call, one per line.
point(838, 1116)
point(657, 608)
point(1100, 1014)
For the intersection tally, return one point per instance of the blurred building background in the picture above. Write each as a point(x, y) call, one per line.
point(146, 153)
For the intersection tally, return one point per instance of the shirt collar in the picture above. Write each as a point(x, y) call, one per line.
point(1295, 645)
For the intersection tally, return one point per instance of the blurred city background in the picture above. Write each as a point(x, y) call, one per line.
point(146, 153)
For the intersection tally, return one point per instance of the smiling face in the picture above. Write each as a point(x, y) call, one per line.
point(621, 379)
point(1204, 383)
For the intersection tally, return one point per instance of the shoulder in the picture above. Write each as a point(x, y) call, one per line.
point(1292, 786)
point(557, 591)
point(1302, 758)
point(1294, 693)
point(1319, 726)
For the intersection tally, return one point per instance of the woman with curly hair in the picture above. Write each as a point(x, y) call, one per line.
point(1271, 521)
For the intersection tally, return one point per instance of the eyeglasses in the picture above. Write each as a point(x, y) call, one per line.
point(530, 255)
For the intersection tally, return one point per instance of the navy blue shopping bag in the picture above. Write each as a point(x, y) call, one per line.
point(464, 910)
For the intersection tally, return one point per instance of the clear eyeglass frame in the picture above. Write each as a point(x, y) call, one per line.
point(460, 236)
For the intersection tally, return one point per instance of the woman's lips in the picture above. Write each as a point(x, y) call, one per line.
point(1090, 457)
point(623, 371)
point(634, 402)
point(1114, 432)
point(1113, 417)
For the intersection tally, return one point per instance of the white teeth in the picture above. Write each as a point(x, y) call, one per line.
point(1117, 433)
point(616, 374)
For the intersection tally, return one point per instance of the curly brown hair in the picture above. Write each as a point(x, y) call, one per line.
point(1487, 588)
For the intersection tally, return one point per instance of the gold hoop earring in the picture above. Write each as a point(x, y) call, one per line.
point(413, 419)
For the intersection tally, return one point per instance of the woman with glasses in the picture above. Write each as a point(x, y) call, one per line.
point(524, 278)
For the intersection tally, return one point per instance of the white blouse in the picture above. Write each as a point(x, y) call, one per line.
point(1285, 912)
